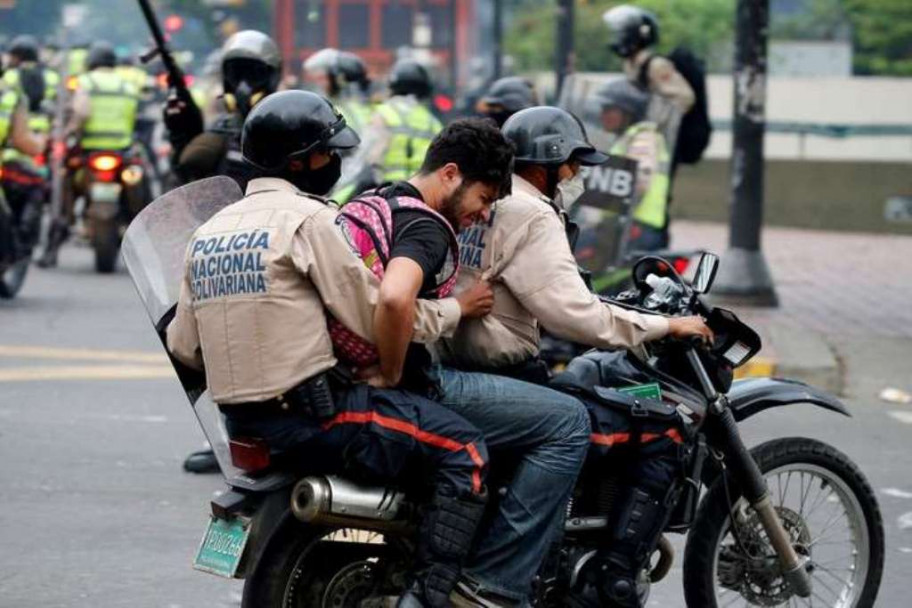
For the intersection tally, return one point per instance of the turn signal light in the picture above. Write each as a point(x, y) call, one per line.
point(680, 265)
point(72, 83)
point(104, 162)
point(132, 175)
point(249, 453)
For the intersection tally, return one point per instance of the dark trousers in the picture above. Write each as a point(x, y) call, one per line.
point(377, 436)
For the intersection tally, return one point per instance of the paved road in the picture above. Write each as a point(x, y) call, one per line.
point(94, 509)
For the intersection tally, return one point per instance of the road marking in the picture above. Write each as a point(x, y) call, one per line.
point(897, 493)
point(86, 372)
point(905, 520)
point(905, 549)
point(902, 416)
point(84, 354)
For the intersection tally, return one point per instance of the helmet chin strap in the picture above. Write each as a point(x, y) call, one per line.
point(552, 179)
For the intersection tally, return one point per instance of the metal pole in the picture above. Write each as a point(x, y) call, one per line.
point(498, 39)
point(564, 52)
point(744, 275)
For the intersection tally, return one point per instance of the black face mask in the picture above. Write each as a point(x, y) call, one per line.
point(319, 181)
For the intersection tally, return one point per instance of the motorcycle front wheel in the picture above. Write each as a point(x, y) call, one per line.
point(828, 509)
point(325, 568)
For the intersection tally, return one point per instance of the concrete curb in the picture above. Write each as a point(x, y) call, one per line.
point(797, 354)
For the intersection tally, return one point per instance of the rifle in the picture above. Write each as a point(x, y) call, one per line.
point(185, 116)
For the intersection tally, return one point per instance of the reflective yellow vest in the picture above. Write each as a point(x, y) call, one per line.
point(412, 129)
point(357, 113)
point(39, 122)
point(654, 204)
point(9, 99)
point(134, 75)
point(113, 111)
point(76, 61)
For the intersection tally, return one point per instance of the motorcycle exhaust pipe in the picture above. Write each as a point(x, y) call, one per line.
point(334, 501)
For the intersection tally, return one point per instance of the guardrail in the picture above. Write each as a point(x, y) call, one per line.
point(837, 131)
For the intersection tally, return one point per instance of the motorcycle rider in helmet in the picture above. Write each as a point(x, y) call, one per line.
point(103, 117)
point(268, 354)
point(25, 179)
point(251, 69)
point(538, 286)
point(403, 126)
point(623, 114)
point(14, 134)
point(251, 66)
point(342, 78)
point(505, 97)
point(634, 34)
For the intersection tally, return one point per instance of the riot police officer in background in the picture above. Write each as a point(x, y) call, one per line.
point(103, 117)
point(342, 78)
point(634, 35)
point(268, 356)
point(25, 178)
point(505, 97)
point(251, 69)
point(402, 128)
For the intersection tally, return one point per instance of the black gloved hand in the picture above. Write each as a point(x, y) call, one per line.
point(182, 117)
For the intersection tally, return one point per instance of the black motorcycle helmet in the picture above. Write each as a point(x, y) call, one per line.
point(288, 125)
point(632, 28)
point(101, 55)
point(624, 95)
point(408, 77)
point(545, 135)
point(506, 97)
point(24, 48)
point(251, 69)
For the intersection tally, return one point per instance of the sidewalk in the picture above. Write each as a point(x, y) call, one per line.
point(831, 285)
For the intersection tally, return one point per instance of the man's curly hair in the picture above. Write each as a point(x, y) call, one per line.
point(478, 148)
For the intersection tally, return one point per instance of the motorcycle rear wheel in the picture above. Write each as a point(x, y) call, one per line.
point(734, 567)
point(321, 568)
point(106, 242)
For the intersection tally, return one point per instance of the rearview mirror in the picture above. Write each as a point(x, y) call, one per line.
point(706, 272)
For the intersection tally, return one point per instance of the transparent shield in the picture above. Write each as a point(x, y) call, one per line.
point(153, 251)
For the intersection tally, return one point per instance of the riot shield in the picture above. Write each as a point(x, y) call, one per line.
point(153, 251)
point(602, 214)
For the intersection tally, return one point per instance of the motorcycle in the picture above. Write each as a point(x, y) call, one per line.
point(25, 188)
point(116, 187)
point(792, 520)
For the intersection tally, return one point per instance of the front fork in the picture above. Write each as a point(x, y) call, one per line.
point(724, 428)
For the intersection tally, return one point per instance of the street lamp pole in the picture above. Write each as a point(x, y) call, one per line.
point(563, 60)
point(498, 39)
point(744, 275)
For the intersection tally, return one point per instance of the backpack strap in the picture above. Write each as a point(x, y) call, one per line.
point(643, 74)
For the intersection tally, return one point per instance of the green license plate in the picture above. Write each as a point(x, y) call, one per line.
point(646, 391)
point(222, 547)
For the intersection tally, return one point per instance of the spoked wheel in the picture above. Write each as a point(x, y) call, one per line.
point(829, 511)
point(344, 568)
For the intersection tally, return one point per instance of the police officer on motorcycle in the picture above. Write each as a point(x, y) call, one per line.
point(14, 134)
point(267, 353)
point(25, 179)
point(403, 126)
point(251, 67)
point(251, 70)
point(103, 109)
point(527, 256)
point(505, 97)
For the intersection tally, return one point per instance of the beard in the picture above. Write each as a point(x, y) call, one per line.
point(451, 207)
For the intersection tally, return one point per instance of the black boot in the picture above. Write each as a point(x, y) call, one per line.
point(444, 538)
point(202, 461)
point(57, 235)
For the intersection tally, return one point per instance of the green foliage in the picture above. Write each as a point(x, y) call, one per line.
point(882, 33)
point(706, 26)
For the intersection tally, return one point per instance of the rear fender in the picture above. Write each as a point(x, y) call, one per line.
point(270, 517)
point(753, 395)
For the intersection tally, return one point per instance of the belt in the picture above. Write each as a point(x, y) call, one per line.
point(312, 397)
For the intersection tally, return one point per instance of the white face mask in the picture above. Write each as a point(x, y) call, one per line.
point(568, 190)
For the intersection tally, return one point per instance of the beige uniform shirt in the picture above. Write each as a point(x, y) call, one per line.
point(524, 250)
point(260, 276)
point(672, 96)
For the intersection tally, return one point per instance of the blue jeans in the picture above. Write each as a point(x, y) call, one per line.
point(550, 432)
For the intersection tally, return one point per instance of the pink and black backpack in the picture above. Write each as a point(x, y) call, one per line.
point(367, 223)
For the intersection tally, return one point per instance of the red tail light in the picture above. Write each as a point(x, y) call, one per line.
point(105, 162)
point(443, 103)
point(249, 453)
point(680, 265)
point(40, 160)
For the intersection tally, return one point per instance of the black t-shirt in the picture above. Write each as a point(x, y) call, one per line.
point(417, 236)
